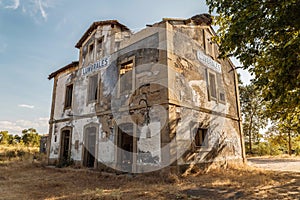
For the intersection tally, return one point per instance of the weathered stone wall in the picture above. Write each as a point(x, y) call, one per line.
point(169, 78)
point(191, 107)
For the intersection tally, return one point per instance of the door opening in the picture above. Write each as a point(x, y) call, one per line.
point(65, 152)
point(90, 147)
point(125, 144)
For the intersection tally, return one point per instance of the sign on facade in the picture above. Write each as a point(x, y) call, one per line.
point(96, 66)
point(209, 62)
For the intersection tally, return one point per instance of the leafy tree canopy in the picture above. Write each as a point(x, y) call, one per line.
point(31, 137)
point(265, 36)
point(253, 110)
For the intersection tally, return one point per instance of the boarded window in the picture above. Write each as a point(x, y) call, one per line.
point(126, 76)
point(93, 88)
point(201, 137)
point(69, 95)
point(212, 86)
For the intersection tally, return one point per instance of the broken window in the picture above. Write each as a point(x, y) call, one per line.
point(91, 52)
point(212, 86)
point(99, 48)
point(201, 137)
point(93, 88)
point(84, 56)
point(126, 78)
point(69, 95)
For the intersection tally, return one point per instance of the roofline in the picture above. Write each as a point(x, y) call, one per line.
point(95, 25)
point(72, 64)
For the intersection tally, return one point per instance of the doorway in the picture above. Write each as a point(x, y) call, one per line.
point(90, 147)
point(125, 144)
point(65, 148)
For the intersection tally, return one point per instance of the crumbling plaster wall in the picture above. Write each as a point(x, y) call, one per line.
point(188, 92)
point(147, 70)
point(150, 84)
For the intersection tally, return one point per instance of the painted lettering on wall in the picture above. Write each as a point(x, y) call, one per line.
point(96, 66)
point(209, 62)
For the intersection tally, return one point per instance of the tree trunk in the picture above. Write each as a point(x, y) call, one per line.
point(290, 143)
point(250, 135)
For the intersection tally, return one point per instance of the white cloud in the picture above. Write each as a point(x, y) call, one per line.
point(26, 106)
point(14, 6)
point(16, 127)
point(41, 4)
point(37, 9)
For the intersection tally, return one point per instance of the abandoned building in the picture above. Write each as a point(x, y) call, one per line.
point(140, 102)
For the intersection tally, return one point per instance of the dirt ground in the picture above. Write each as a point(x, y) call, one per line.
point(26, 180)
point(276, 164)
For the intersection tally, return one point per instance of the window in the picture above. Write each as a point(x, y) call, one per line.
point(69, 95)
point(209, 46)
point(85, 56)
point(126, 78)
point(204, 40)
point(99, 48)
point(201, 137)
point(222, 97)
point(91, 52)
point(212, 86)
point(93, 88)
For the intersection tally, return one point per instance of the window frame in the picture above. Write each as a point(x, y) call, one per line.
point(209, 89)
point(124, 62)
point(91, 53)
point(89, 90)
point(67, 106)
point(209, 44)
point(201, 141)
point(219, 96)
point(99, 51)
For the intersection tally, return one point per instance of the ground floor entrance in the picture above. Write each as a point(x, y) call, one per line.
point(126, 147)
point(89, 147)
point(65, 150)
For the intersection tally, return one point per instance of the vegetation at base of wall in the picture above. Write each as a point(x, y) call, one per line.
point(66, 163)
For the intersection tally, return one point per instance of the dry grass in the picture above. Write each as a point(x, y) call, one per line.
point(24, 180)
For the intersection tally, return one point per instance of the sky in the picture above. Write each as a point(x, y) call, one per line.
point(38, 37)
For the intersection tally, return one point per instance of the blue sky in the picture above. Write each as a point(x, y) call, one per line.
point(38, 36)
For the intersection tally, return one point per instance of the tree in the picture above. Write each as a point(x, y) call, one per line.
point(4, 137)
point(265, 36)
point(283, 137)
point(30, 137)
point(252, 112)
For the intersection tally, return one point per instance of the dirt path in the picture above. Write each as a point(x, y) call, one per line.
point(276, 164)
point(21, 180)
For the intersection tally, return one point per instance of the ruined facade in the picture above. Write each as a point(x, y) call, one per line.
point(140, 102)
